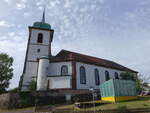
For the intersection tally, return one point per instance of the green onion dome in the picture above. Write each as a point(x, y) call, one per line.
point(42, 25)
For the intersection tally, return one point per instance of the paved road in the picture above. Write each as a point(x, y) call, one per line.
point(20, 111)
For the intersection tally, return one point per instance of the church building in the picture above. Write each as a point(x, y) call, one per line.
point(66, 70)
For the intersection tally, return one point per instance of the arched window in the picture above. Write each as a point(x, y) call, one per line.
point(64, 70)
point(97, 80)
point(107, 75)
point(82, 75)
point(40, 38)
point(116, 75)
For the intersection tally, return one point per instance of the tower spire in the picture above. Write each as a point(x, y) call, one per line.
point(43, 18)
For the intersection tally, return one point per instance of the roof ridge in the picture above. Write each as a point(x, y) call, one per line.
point(69, 55)
point(86, 55)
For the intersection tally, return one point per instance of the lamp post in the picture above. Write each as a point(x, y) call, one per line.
point(92, 90)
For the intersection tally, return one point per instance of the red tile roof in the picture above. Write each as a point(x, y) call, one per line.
point(65, 55)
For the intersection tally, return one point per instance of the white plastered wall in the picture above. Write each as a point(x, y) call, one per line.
point(90, 77)
point(31, 72)
point(59, 82)
point(34, 35)
point(33, 45)
point(31, 61)
point(55, 68)
point(33, 54)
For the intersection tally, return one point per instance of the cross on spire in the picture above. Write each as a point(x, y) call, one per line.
point(43, 18)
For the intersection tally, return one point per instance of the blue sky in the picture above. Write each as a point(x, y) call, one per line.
point(117, 30)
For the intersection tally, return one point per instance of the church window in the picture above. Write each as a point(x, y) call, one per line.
point(40, 38)
point(107, 75)
point(116, 75)
point(82, 75)
point(97, 80)
point(38, 50)
point(64, 70)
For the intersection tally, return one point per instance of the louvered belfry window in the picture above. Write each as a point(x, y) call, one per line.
point(40, 38)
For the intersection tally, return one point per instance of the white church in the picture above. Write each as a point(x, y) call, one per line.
point(67, 70)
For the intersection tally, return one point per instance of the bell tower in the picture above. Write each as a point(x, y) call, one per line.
point(39, 44)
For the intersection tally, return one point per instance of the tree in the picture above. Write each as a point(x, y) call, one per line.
point(128, 76)
point(32, 86)
point(142, 82)
point(6, 71)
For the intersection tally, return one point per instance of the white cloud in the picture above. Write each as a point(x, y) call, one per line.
point(3, 38)
point(93, 27)
point(67, 4)
point(53, 3)
point(20, 6)
point(8, 1)
point(26, 14)
point(16, 50)
point(5, 24)
point(102, 1)
point(40, 7)
point(11, 34)
point(14, 44)
point(40, 2)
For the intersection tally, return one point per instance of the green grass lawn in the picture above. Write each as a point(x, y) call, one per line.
point(142, 102)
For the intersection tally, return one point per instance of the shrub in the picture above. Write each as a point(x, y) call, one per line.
point(128, 76)
point(27, 99)
point(32, 86)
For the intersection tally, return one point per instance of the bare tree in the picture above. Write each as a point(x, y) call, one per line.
point(142, 82)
